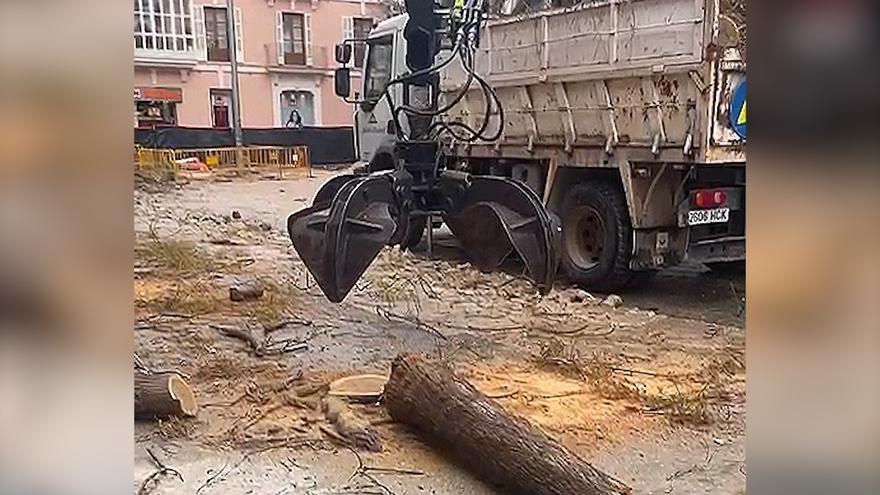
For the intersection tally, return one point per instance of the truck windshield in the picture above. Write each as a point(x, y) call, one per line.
point(378, 71)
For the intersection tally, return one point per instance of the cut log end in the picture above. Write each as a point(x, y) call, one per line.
point(183, 394)
point(163, 394)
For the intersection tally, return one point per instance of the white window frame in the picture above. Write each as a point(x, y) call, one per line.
point(348, 33)
point(179, 10)
point(279, 36)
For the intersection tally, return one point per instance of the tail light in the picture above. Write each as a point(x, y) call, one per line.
point(708, 198)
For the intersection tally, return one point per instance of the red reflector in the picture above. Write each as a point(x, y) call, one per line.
point(708, 198)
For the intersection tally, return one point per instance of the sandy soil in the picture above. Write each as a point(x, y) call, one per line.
point(652, 391)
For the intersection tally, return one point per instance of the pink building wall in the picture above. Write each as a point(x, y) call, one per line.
point(261, 78)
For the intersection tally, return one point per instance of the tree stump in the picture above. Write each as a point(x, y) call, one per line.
point(160, 395)
point(499, 447)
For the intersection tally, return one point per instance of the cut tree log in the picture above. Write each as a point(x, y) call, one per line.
point(246, 291)
point(159, 395)
point(459, 419)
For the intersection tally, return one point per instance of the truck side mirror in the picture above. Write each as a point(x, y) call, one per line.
point(343, 53)
point(342, 81)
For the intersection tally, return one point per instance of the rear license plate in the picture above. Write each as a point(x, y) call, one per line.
point(715, 215)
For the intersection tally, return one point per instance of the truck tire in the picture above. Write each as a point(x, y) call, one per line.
point(596, 236)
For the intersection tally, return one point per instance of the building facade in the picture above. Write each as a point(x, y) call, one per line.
point(285, 52)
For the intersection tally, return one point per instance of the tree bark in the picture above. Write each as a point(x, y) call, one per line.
point(499, 447)
point(162, 395)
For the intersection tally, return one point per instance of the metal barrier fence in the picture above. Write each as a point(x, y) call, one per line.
point(208, 159)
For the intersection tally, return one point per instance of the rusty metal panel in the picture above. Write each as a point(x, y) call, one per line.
point(547, 116)
point(657, 30)
point(516, 46)
point(581, 38)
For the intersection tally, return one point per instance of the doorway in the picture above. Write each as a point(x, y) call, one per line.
point(221, 115)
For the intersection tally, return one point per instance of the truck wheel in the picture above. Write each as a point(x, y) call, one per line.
point(597, 236)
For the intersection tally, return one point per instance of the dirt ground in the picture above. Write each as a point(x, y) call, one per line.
point(652, 391)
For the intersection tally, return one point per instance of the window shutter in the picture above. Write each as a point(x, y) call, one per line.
point(347, 28)
point(239, 36)
point(307, 19)
point(279, 37)
point(199, 30)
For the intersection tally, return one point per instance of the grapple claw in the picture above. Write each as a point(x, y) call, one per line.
point(496, 216)
point(338, 238)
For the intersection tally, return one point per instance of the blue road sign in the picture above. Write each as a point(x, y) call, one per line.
point(738, 110)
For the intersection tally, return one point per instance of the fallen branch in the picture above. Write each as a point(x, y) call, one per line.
point(161, 470)
point(263, 345)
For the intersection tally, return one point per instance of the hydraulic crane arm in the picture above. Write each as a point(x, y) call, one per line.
point(354, 216)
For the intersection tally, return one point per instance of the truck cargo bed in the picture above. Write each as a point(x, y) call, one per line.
point(613, 80)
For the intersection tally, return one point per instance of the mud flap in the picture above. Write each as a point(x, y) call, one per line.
point(340, 235)
point(495, 216)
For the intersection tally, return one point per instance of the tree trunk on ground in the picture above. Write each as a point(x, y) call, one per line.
point(246, 291)
point(499, 447)
point(162, 395)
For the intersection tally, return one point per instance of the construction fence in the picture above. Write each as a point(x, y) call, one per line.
point(327, 145)
point(212, 159)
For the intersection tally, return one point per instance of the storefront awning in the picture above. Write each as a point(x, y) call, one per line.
point(173, 95)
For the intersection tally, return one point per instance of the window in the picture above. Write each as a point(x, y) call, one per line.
point(297, 107)
point(215, 34)
point(293, 38)
point(378, 71)
point(151, 114)
point(163, 25)
point(362, 27)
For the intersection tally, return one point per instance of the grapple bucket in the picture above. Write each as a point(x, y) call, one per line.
point(354, 216)
point(338, 237)
point(495, 216)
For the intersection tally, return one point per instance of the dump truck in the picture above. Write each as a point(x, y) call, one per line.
point(627, 118)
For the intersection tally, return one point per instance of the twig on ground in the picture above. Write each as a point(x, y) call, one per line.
point(362, 471)
point(162, 470)
point(504, 395)
point(268, 411)
point(388, 470)
point(142, 367)
point(272, 443)
point(579, 331)
point(222, 472)
point(564, 394)
point(390, 316)
point(470, 326)
point(740, 301)
point(286, 323)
